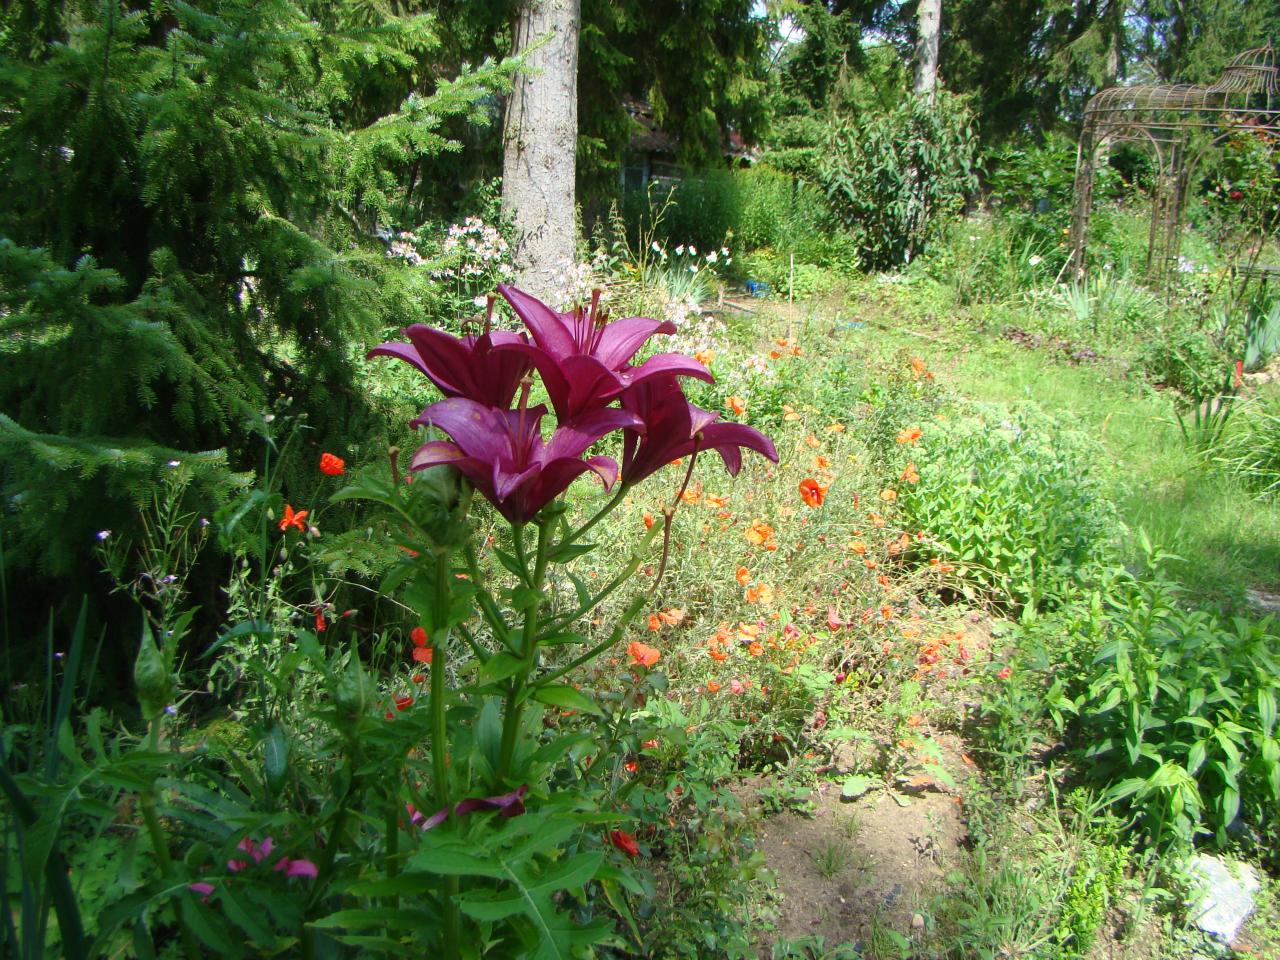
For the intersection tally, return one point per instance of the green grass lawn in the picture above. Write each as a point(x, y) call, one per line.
point(1229, 538)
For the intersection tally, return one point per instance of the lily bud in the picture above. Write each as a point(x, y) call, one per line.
point(352, 695)
point(152, 677)
point(439, 503)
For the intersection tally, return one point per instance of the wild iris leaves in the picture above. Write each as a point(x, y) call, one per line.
point(585, 364)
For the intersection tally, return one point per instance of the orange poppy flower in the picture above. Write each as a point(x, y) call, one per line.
point(760, 593)
point(643, 655)
point(812, 492)
point(648, 520)
point(672, 617)
point(917, 367)
point(909, 435)
point(876, 519)
point(691, 496)
point(742, 575)
point(714, 500)
point(755, 649)
point(888, 495)
point(758, 533)
point(909, 474)
point(821, 463)
point(836, 428)
point(789, 414)
point(813, 441)
point(737, 405)
point(291, 519)
point(655, 623)
point(705, 357)
point(713, 687)
point(775, 354)
point(716, 651)
point(331, 466)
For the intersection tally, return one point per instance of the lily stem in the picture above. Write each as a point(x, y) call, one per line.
point(440, 744)
point(159, 843)
point(514, 704)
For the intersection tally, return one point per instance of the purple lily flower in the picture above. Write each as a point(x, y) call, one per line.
point(503, 454)
point(674, 428)
point(476, 367)
point(584, 360)
point(508, 805)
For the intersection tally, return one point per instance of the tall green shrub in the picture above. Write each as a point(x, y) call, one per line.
point(892, 178)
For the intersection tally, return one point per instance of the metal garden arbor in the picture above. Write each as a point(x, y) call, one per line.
point(1179, 124)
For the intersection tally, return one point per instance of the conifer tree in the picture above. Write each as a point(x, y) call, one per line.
point(191, 197)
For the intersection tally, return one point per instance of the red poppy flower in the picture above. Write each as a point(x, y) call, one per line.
point(332, 466)
point(643, 655)
point(404, 703)
point(624, 842)
point(321, 625)
point(812, 492)
point(419, 636)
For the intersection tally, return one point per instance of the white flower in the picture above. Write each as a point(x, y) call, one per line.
point(1035, 260)
point(173, 463)
point(693, 251)
point(104, 534)
point(680, 250)
point(479, 301)
point(692, 268)
point(654, 247)
point(711, 257)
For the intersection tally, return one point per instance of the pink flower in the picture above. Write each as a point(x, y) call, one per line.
point(1005, 673)
point(504, 456)
point(671, 427)
point(585, 361)
point(736, 686)
point(204, 889)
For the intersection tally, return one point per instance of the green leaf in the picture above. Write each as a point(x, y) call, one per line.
point(511, 564)
point(856, 786)
point(499, 667)
point(571, 551)
point(559, 639)
point(522, 598)
point(566, 698)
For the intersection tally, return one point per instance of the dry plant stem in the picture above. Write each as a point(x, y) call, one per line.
point(607, 509)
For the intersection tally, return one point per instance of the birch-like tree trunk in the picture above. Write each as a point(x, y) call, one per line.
point(928, 29)
point(539, 141)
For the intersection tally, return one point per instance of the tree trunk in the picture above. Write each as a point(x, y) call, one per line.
point(928, 29)
point(539, 141)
